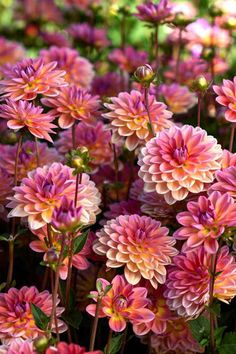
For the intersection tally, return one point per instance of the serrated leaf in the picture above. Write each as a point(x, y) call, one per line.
point(200, 329)
point(80, 242)
point(73, 318)
point(115, 344)
point(40, 318)
point(228, 345)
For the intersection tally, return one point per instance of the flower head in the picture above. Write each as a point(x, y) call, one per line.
point(31, 77)
point(206, 220)
point(128, 59)
point(122, 303)
point(228, 159)
point(140, 244)
point(155, 13)
point(79, 71)
point(107, 85)
point(16, 318)
point(10, 52)
point(27, 158)
point(65, 348)
point(91, 36)
point(227, 97)
point(96, 138)
point(73, 104)
point(129, 118)
point(19, 346)
point(179, 161)
point(23, 114)
point(43, 189)
point(188, 281)
point(225, 181)
point(178, 98)
point(66, 217)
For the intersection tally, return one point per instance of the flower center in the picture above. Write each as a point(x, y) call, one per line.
point(206, 217)
point(120, 303)
point(180, 154)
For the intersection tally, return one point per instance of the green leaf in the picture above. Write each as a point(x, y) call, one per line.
point(4, 237)
point(73, 318)
point(71, 296)
point(115, 344)
point(219, 335)
point(2, 286)
point(80, 242)
point(107, 288)
point(40, 318)
point(228, 345)
point(200, 329)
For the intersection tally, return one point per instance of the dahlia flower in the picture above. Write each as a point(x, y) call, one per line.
point(16, 318)
point(31, 77)
point(206, 220)
point(6, 185)
point(225, 181)
point(79, 260)
point(177, 339)
point(155, 13)
point(162, 314)
point(33, 10)
point(188, 281)
point(178, 98)
point(65, 348)
point(66, 217)
point(140, 244)
point(27, 158)
point(10, 52)
point(57, 39)
point(23, 114)
point(73, 104)
point(18, 346)
point(84, 32)
point(129, 118)
point(122, 303)
point(95, 138)
point(178, 161)
point(107, 85)
point(228, 159)
point(128, 59)
point(227, 97)
point(125, 207)
point(79, 71)
point(43, 189)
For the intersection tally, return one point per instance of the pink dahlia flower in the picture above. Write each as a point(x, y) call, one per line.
point(227, 97)
point(31, 77)
point(27, 158)
point(206, 220)
point(225, 181)
point(177, 339)
point(122, 303)
point(65, 348)
point(178, 98)
point(107, 85)
point(6, 185)
point(129, 117)
point(125, 207)
point(84, 32)
point(79, 260)
point(162, 314)
point(140, 244)
point(43, 189)
point(58, 39)
point(10, 52)
point(188, 281)
point(16, 318)
point(178, 161)
point(128, 59)
point(23, 114)
point(79, 71)
point(228, 159)
point(155, 13)
point(73, 104)
point(96, 138)
point(18, 346)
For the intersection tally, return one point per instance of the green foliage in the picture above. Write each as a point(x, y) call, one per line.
point(73, 318)
point(200, 329)
point(80, 242)
point(228, 345)
point(40, 318)
point(115, 344)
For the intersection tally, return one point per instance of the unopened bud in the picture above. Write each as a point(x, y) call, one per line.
point(200, 84)
point(144, 74)
point(230, 24)
point(51, 256)
point(181, 20)
point(77, 162)
point(84, 149)
point(41, 343)
point(215, 11)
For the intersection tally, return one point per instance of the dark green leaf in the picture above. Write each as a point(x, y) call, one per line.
point(99, 286)
point(115, 345)
point(40, 318)
point(80, 242)
point(107, 288)
point(4, 237)
point(73, 318)
point(228, 345)
point(219, 335)
point(2, 286)
point(200, 329)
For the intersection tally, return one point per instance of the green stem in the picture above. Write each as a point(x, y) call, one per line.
point(211, 299)
point(199, 109)
point(156, 45)
point(95, 325)
point(109, 342)
point(178, 54)
point(146, 104)
point(68, 280)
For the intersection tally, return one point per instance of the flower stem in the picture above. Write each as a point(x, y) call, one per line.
point(211, 299)
point(37, 150)
point(17, 159)
point(116, 166)
point(199, 104)
point(146, 104)
point(109, 342)
point(11, 262)
point(95, 325)
point(78, 181)
point(56, 287)
point(178, 54)
point(123, 344)
point(156, 45)
point(68, 280)
point(231, 141)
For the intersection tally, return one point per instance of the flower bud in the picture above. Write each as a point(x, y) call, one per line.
point(200, 84)
point(77, 162)
point(41, 343)
point(144, 74)
point(51, 256)
point(215, 11)
point(181, 20)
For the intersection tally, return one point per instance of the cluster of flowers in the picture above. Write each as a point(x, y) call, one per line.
point(117, 178)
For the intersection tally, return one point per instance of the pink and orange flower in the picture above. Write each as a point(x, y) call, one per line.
point(122, 303)
point(179, 161)
point(225, 181)
point(65, 348)
point(128, 59)
point(227, 97)
point(140, 244)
